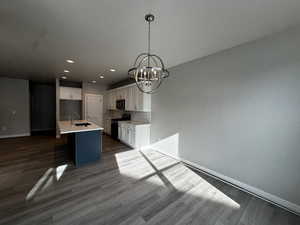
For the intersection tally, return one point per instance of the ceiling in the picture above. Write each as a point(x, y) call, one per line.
point(36, 37)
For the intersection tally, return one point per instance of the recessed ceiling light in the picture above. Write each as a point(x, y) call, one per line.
point(93, 81)
point(112, 70)
point(64, 77)
point(70, 61)
point(101, 76)
point(66, 71)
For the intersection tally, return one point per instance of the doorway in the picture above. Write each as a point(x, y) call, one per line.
point(42, 108)
point(94, 108)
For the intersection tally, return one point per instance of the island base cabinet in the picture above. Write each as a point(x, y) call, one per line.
point(86, 147)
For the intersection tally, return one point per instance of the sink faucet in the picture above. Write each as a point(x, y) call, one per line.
point(72, 116)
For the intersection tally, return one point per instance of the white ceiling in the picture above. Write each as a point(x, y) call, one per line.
point(36, 36)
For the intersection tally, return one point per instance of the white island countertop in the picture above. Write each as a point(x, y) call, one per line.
point(66, 127)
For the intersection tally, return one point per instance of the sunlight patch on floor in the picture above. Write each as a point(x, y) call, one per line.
point(39, 184)
point(51, 176)
point(160, 170)
point(133, 165)
point(60, 171)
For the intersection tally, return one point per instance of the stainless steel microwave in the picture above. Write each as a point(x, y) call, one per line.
point(120, 104)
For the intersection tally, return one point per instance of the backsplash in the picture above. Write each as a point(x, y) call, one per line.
point(141, 116)
point(136, 116)
point(70, 109)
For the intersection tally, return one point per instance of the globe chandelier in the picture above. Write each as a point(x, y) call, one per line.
point(149, 70)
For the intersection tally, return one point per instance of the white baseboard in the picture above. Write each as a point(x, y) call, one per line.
point(273, 199)
point(48, 129)
point(14, 135)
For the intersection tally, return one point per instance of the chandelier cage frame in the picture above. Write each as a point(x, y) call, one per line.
point(148, 70)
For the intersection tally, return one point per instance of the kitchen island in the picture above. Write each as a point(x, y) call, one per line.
point(84, 140)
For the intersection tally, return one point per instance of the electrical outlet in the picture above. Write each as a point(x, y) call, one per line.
point(3, 128)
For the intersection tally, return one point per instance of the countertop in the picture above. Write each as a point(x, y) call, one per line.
point(136, 123)
point(65, 127)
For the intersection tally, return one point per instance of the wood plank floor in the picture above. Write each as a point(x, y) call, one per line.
point(39, 185)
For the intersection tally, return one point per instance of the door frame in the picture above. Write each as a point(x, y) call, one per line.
point(85, 105)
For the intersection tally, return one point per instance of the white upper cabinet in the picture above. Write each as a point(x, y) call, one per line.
point(141, 101)
point(69, 93)
point(112, 97)
point(135, 100)
point(130, 102)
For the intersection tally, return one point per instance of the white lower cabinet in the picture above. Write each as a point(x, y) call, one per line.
point(134, 135)
point(107, 126)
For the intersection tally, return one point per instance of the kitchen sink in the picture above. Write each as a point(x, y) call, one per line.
point(82, 124)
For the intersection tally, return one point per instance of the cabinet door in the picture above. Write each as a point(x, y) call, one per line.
point(129, 104)
point(108, 126)
point(113, 100)
point(121, 135)
point(116, 94)
point(142, 101)
point(119, 132)
point(138, 99)
point(147, 103)
point(69, 93)
point(106, 101)
point(133, 140)
point(131, 136)
point(125, 94)
point(124, 134)
point(109, 105)
point(63, 93)
point(76, 93)
point(119, 94)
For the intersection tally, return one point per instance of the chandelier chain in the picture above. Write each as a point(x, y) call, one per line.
point(148, 43)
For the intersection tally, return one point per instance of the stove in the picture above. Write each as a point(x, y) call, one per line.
point(114, 124)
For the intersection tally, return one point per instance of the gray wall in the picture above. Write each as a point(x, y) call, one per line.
point(14, 107)
point(237, 112)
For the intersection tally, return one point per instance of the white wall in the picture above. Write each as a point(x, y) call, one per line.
point(97, 89)
point(238, 113)
point(57, 83)
point(14, 108)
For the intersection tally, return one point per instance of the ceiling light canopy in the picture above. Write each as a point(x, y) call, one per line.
point(66, 71)
point(70, 61)
point(149, 70)
point(112, 70)
point(101, 76)
point(64, 77)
